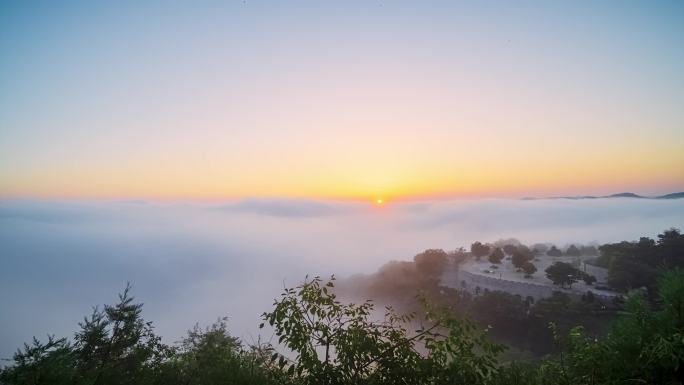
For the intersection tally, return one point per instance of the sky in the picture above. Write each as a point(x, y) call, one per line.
point(194, 262)
point(340, 99)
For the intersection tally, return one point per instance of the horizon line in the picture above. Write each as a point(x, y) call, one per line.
point(367, 199)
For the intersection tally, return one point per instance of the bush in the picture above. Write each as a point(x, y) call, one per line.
point(335, 343)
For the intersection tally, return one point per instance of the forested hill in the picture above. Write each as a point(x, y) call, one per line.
point(676, 195)
point(320, 339)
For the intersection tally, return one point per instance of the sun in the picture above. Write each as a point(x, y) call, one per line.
point(379, 201)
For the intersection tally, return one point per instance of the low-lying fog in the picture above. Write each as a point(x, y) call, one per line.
point(194, 262)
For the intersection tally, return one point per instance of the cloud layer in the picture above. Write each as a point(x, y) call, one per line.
point(192, 262)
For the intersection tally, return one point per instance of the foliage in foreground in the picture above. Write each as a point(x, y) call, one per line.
point(116, 346)
point(328, 342)
point(337, 343)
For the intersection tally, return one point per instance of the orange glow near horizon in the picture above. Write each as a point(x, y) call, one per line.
point(336, 165)
point(389, 108)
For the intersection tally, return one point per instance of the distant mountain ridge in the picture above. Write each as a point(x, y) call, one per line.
point(676, 195)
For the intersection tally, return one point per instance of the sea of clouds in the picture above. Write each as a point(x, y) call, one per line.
point(195, 262)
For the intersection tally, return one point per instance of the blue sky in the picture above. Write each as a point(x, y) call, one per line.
point(324, 99)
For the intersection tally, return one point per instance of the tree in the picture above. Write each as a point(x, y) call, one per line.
point(588, 279)
point(431, 262)
point(519, 259)
point(625, 273)
point(573, 251)
point(510, 249)
point(335, 343)
point(52, 362)
point(526, 251)
point(479, 250)
point(499, 307)
point(636, 264)
point(496, 256)
point(561, 273)
point(541, 248)
point(113, 346)
point(116, 346)
point(591, 251)
point(529, 268)
point(649, 340)
point(670, 246)
point(554, 252)
point(212, 356)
